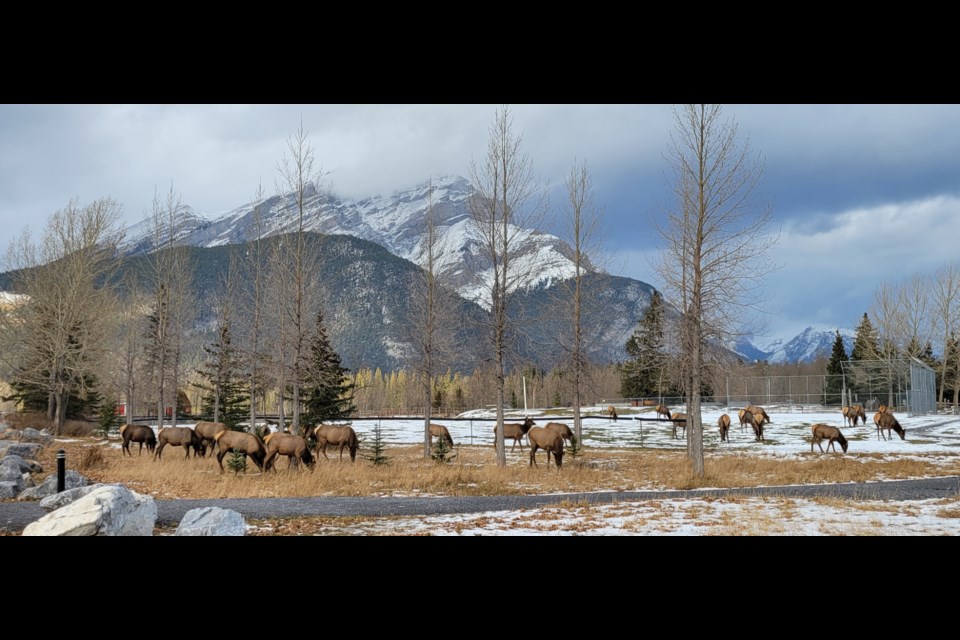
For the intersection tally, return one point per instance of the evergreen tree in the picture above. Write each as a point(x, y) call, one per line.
point(237, 462)
point(834, 384)
point(376, 455)
point(866, 342)
point(226, 400)
point(328, 389)
point(645, 372)
point(441, 450)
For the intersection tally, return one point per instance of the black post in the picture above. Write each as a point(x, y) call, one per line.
point(61, 470)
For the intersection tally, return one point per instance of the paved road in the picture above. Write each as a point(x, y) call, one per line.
point(14, 516)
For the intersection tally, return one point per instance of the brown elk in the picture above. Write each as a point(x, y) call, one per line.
point(855, 413)
point(612, 413)
point(207, 432)
point(137, 433)
point(560, 428)
point(758, 411)
point(178, 437)
point(757, 421)
point(550, 441)
point(831, 434)
point(514, 431)
point(336, 435)
point(440, 431)
point(847, 418)
point(246, 443)
point(744, 419)
point(724, 423)
point(679, 420)
point(663, 410)
point(285, 444)
point(886, 420)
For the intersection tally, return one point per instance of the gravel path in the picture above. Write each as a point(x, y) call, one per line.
point(14, 516)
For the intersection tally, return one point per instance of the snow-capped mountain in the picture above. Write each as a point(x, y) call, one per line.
point(804, 347)
point(396, 222)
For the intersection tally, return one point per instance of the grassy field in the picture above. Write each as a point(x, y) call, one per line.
point(474, 472)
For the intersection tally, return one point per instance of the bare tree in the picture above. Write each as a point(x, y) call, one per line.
point(581, 217)
point(433, 312)
point(171, 310)
point(59, 338)
point(945, 302)
point(131, 337)
point(256, 273)
point(301, 179)
point(508, 201)
point(715, 253)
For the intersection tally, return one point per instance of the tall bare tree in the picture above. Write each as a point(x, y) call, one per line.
point(508, 201)
point(58, 339)
point(715, 245)
point(300, 179)
point(433, 314)
point(581, 218)
point(256, 274)
point(945, 302)
point(170, 281)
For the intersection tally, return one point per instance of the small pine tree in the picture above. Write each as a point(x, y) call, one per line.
point(644, 373)
point(376, 455)
point(440, 451)
point(108, 421)
point(835, 370)
point(225, 400)
point(328, 391)
point(513, 399)
point(237, 462)
point(573, 447)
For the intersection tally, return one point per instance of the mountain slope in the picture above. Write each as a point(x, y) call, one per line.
point(806, 346)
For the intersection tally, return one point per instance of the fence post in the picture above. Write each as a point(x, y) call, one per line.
point(61, 470)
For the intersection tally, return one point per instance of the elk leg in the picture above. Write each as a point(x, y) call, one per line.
point(533, 459)
point(156, 456)
point(268, 463)
point(220, 455)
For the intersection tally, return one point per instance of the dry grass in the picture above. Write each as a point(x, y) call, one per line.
point(475, 473)
point(38, 420)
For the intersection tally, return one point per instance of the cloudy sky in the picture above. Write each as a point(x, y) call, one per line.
point(860, 193)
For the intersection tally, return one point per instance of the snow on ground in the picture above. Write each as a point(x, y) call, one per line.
point(745, 516)
point(787, 434)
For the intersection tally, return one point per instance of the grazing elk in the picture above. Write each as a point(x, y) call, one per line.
point(336, 435)
point(679, 420)
point(757, 420)
point(886, 420)
point(744, 419)
point(178, 437)
point(440, 431)
point(847, 418)
point(207, 432)
point(724, 423)
point(550, 441)
point(137, 433)
point(246, 443)
point(663, 410)
point(758, 411)
point(612, 413)
point(285, 444)
point(831, 434)
point(514, 431)
point(560, 428)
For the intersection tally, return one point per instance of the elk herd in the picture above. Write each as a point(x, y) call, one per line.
point(551, 438)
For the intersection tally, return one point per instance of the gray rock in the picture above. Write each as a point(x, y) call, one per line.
point(28, 481)
point(48, 487)
point(11, 473)
point(24, 466)
point(109, 510)
point(32, 435)
point(212, 521)
point(29, 450)
point(62, 499)
point(8, 490)
point(46, 432)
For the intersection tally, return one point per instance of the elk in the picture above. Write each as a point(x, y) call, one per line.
point(246, 443)
point(679, 420)
point(207, 432)
point(758, 421)
point(178, 437)
point(336, 435)
point(663, 410)
point(831, 434)
point(612, 413)
point(440, 431)
point(724, 423)
point(744, 419)
point(560, 428)
point(886, 420)
point(285, 444)
point(514, 431)
point(758, 411)
point(550, 441)
point(137, 433)
point(846, 416)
